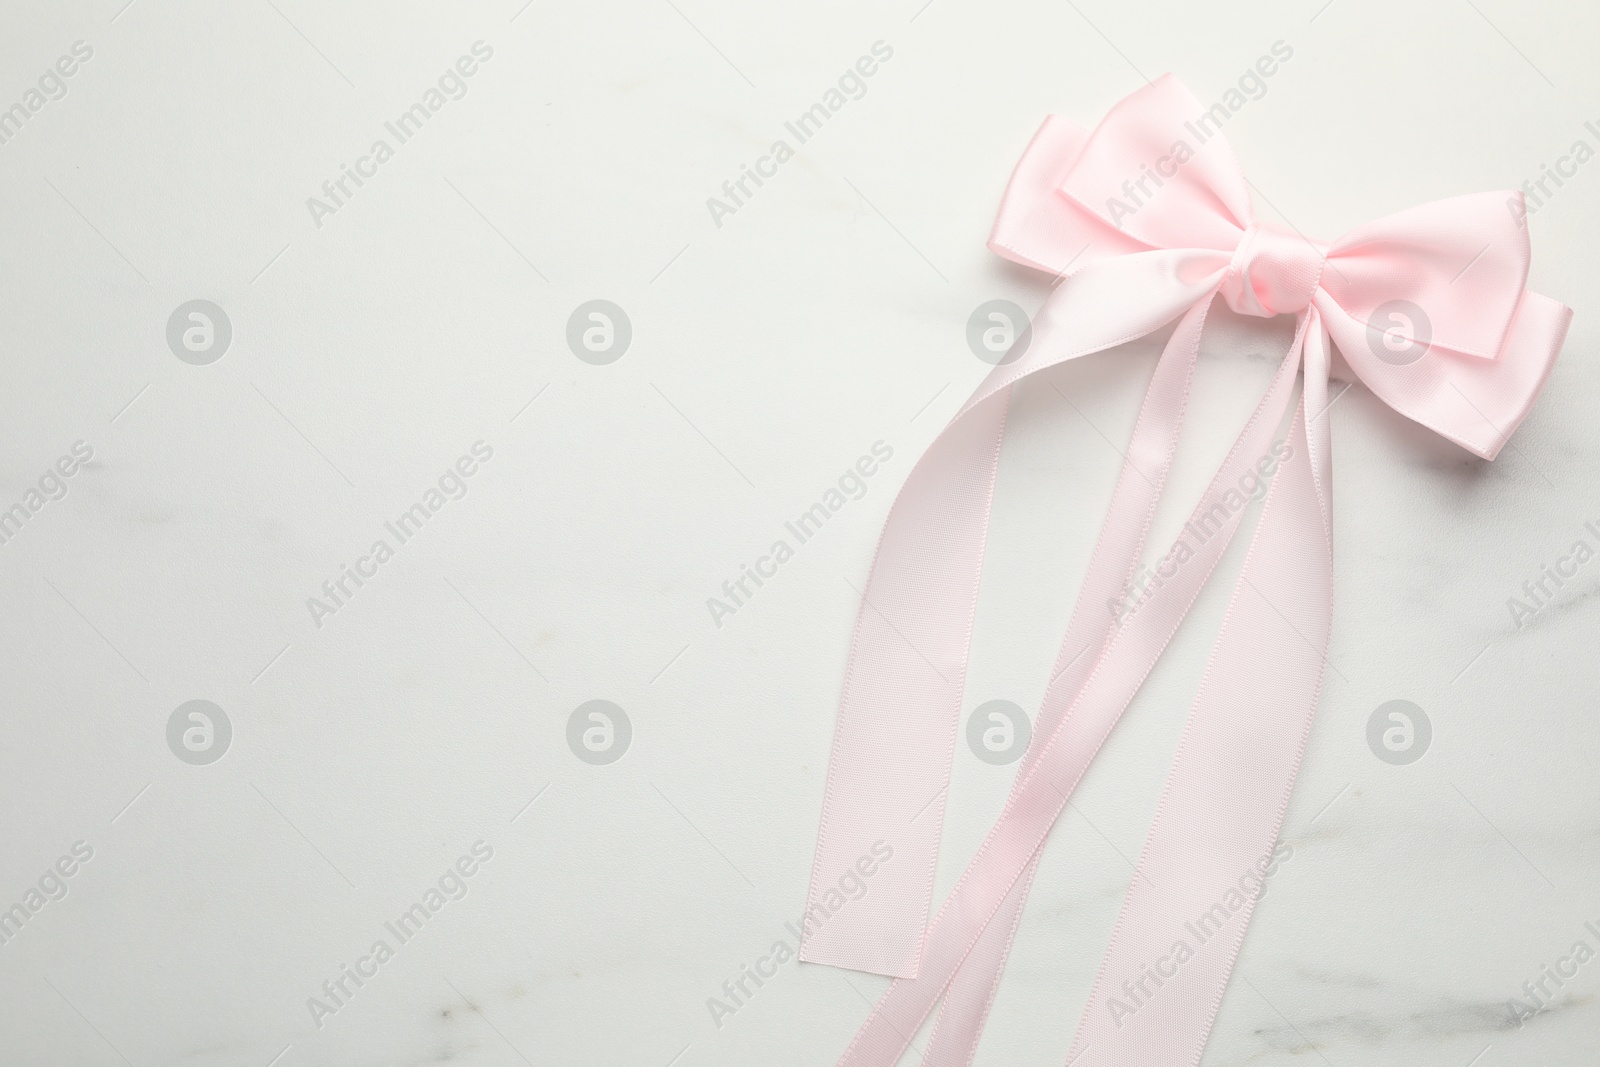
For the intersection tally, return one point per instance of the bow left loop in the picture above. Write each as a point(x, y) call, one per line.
point(1158, 169)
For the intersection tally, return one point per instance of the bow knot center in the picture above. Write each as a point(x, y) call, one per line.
point(1275, 271)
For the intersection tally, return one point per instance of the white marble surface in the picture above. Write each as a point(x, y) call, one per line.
point(369, 753)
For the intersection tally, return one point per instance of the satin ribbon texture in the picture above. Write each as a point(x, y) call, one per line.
point(1148, 220)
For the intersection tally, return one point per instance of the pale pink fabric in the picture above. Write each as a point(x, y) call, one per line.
point(1466, 355)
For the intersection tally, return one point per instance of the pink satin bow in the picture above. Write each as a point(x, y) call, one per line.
point(1150, 219)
